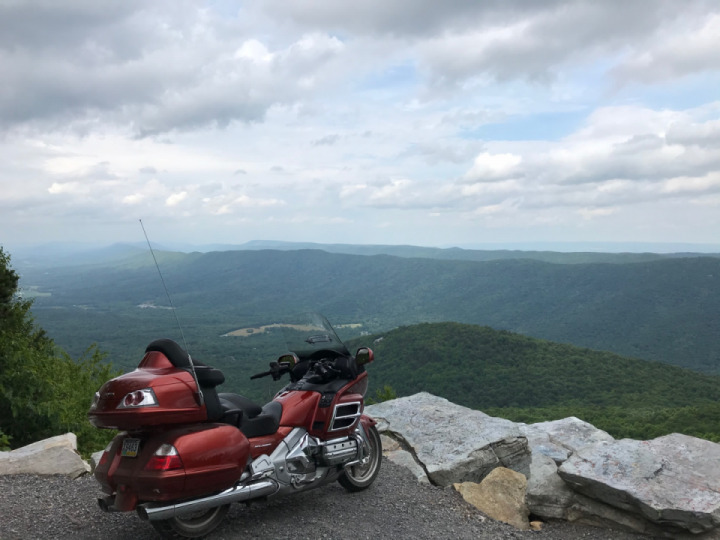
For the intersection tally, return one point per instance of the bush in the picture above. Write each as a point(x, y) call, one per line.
point(43, 391)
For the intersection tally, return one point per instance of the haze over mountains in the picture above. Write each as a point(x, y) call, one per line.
point(660, 307)
point(448, 321)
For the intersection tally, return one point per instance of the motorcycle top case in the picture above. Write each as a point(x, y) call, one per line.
point(156, 393)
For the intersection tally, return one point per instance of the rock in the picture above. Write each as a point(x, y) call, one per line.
point(406, 459)
point(501, 495)
point(587, 511)
point(57, 455)
point(559, 439)
point(95, 460)
point(452, 443)
point(672, 481)
point(552, 443)
point(547, 494)
point(667, 487)
point(395, 453)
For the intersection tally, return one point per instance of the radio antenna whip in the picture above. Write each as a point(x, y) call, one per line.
point(172, 307)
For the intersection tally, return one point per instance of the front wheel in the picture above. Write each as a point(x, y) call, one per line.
point(195, 525)
point(360, 476)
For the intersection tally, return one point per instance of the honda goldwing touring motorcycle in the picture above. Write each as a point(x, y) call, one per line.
point(186, 451)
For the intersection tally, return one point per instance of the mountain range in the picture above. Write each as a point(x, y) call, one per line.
point(654, 307)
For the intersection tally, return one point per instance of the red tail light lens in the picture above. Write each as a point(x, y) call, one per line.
point(165, 458)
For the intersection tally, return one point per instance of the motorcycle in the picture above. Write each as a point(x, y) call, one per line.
point(187, 451)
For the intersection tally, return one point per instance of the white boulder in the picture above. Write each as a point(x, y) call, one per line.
point(57, 455)
point(452, 443)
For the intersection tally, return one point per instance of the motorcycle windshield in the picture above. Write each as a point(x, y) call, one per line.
point(311, 333)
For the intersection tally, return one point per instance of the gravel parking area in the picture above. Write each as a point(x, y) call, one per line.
point(396, 507)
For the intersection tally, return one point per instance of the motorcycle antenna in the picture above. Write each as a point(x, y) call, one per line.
point(177, 320)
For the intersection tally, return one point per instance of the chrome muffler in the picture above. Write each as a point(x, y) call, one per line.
point(260, 488)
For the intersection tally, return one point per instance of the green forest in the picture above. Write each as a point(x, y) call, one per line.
point(43, 391)
point(530, 380)
point(664, 309)
point(66, 328)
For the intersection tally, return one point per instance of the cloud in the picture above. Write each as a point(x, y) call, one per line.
point(327, 140)
point(489, 167)
point(182, 69)
point(703, 134)
point(644, 156)
point(406, 18)
point(669, 55)
point(176, 198)
point(460, 41)
point(514, 115)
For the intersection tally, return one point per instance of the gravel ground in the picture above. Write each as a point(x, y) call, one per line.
point(394, 507)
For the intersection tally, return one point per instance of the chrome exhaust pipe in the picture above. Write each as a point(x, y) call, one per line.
point(155, 511)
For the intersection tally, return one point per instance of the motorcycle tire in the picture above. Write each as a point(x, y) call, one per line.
point(362, 475)
point(195, 525)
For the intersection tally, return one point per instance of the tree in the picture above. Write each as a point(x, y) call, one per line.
point(386, 393)
point(43, 391)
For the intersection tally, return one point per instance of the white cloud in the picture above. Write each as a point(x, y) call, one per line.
point(255, 51)
point(675, 54)
point(176, 198)
point(522, 118)
point(489, 167)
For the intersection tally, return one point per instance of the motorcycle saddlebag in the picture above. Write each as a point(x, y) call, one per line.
point(209, 458)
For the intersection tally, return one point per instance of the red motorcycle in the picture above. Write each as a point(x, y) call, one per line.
point(186, 451)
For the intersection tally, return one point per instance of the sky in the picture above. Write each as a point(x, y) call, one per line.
point(454, 123)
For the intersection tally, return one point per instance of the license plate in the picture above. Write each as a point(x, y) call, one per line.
point(130, 447)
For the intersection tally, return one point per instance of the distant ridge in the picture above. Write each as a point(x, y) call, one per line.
point(65, 254)
point(663, 309)
point(466, 254)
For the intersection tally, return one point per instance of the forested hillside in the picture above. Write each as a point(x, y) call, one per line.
point(664, 310)
point(525, 379)
point(43, 391)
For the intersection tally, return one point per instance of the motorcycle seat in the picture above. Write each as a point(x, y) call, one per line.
point(255, 421)
point(249, 408)
point(265, 423)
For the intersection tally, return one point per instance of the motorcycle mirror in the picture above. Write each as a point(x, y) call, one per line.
point(289, 360)
point(363, 356)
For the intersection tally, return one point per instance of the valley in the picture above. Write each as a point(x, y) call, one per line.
point(628, 343)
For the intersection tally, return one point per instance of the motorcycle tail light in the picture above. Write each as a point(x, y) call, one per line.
point(139, 398)
point(165, 458)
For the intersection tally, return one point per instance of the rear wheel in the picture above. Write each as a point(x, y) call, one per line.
point(362, 475)
point(193, 525)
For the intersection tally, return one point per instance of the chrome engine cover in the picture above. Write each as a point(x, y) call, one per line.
point(302, 461)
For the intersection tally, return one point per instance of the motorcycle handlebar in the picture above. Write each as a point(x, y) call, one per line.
point(322, 368)
point(276, 370)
